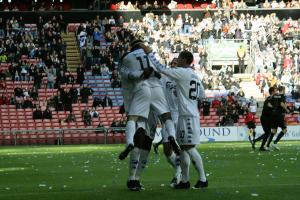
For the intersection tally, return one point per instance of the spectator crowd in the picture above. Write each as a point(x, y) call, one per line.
point(214, 4)
point(103, 41)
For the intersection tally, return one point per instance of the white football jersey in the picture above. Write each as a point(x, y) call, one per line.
point(136, 61)
point(188, 86)
point(169, 87)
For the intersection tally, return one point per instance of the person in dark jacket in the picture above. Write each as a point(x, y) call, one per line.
point(37, 114)
point(107, 102)
point(47, 114)
point(206, 107)
point(85, 92)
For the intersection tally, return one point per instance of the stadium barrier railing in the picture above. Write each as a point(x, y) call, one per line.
point(98, 135)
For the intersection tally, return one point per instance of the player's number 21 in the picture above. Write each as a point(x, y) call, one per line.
point(194, 92)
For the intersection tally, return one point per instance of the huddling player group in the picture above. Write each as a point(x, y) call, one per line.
point(272, 118)
point(156, 94)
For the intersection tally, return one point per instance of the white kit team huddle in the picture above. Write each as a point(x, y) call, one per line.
point(153, 92)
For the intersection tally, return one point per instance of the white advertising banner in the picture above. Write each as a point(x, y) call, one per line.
point(293, 133)
point(212, 134)
point(234, 133)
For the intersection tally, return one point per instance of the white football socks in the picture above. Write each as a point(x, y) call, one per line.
point(142, 163)
point(196, 157)
point(185, 166)
point(170, 128)
point(130, 131)
point(175, 163)
point(133, 163)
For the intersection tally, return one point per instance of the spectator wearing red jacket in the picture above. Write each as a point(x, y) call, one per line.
point(4, 100)
point(215, 103)
point(250, 122)
point(230, 98)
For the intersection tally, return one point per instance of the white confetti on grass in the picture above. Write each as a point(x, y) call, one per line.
point(42, 185)
point(254, 194)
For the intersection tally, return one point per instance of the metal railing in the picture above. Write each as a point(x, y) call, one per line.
point(60, 133)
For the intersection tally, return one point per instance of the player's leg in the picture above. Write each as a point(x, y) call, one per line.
point(253, 135)
point(160, 105)
point(133, 164)
point(267, 131)
point(146, 136)
point(260, 137)
point(188, 153)
point(193, 152)
point(273, 133)
point(250, 134)
point(169, 126)
point(198, 163)
point(136, 155)
point(185, 162)
point(274, 126)
point(188, 137)
point(129, 132)
point(174, 161)
point(280, 135)
point(139, 107)
point(144, 154)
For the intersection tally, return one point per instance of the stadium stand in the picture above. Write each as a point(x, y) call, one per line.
point(188, 5)
point(30, 72)
point(28, 5)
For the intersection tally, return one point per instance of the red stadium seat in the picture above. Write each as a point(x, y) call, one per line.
point(204, 5)
point(180, 6)
point(189, 6)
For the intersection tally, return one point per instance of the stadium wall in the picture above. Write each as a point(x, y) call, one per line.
point(84, 15)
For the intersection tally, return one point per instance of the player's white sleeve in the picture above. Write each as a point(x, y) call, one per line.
point(130, 75)
point(174, 73)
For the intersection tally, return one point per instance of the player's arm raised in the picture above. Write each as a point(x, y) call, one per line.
point(130, 75)
point(174, 73)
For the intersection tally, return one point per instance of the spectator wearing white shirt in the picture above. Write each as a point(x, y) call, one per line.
point(112, 20)
point(282, 4)
point(252, 105)
point(25, 93)
point(94, 113)
point(274, 4)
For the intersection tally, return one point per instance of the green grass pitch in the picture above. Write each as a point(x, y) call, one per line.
point(93, 172)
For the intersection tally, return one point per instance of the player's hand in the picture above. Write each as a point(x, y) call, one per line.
point(157, 75)
point(175, 93)
point(147, 72)
point(147, 49)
